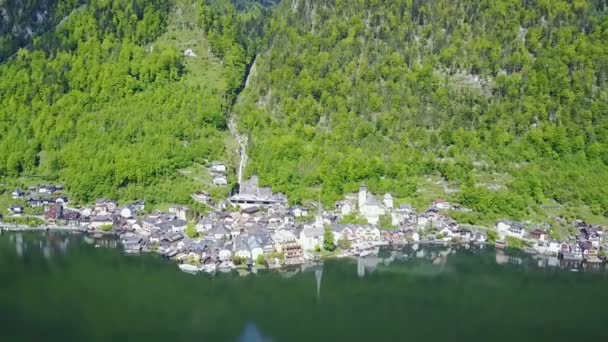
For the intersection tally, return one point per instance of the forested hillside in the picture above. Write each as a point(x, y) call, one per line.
point(388, 92)
point(23, 20)
point(108, 104)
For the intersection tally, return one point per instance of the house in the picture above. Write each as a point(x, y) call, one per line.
point(105, 207)
point(441, 204)
point(446, 233)
point(571, 252)
point(225, 252)
point(219, 231)
point(241, 249)
point(15, 209)
point(510, 228)
point(53, 213)
point(594, 239)
point(47, 189)
point(101, 220)
point(539, 234)
point(204, 224)
point(220, 181)
point(300, 211)
point(34, 202)
point(411, 235)
point(219, 168)
point(591, 254)
point(344, 207)
point(388, 201)
point(17, 193)
point(311, 237)
point(367, 233)
point(180, 211)
point(174, 226)
point(255, 247)
point(251, 194)
point(127, 212)
point(72, 218)
point(479, 237)
point(61, 200)
point(369, 206)
point(464, 234)
point(138, 205)
point(343, 232)
point(189, 53)
point(172, 238)
point(202, 196)
point(286, 242)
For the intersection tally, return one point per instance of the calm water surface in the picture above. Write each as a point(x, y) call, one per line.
point(60, 288)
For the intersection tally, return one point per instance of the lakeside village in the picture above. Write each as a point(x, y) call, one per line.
point(257, 228)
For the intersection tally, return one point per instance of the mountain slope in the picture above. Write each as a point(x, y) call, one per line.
point(390, 92)
point(108, 103)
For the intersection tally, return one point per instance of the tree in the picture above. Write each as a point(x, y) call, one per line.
point(492, 236)
point(261, 260)
point(386, 222)
point(191, 231)
point(328, 239)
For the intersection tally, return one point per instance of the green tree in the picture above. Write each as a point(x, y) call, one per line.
point(191, 231)
point(328, 239)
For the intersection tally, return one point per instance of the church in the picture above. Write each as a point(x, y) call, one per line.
point(370, 208)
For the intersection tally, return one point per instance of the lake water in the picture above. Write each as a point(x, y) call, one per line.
point(57, 287)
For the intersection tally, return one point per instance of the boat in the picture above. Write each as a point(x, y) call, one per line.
point(189, 268)
point(501, 244)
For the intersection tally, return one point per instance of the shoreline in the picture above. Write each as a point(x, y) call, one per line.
point(314, 259)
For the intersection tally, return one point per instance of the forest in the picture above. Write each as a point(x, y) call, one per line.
point(389, 92)
point(105, 106)
point(339, 92)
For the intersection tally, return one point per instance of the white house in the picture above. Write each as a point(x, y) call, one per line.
point(218, 167)
point(220, 181)
point(369, 206)
point(367, 233)
point(311, 238)
point(189, 53)
point(17, 194)
point(442, 204)
point(255, 247)
point(510, 228)
point(388, 201)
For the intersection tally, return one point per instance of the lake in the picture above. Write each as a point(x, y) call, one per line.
point(58, 287)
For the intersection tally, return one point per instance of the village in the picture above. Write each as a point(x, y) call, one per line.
point(256, 228)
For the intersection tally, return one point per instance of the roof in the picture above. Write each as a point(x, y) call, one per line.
point(219, 229)
point(371, 200)
point(312, 231)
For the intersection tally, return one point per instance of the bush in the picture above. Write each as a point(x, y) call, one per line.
point(261, 260)
point(106, 227)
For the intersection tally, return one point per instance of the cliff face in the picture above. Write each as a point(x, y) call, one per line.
point(21, 20)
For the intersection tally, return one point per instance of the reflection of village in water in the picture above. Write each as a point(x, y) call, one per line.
point(431, 257)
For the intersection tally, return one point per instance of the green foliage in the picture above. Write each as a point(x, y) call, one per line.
point(102, 106)
point(353, 218)
point(386, 222)
point(238, 261)
point(390, 92)
point(328, 239)
point(191, 231)
point(26, 221)
point(261, 260)
point(516, 243)
point(106, 227)
point(492, 236)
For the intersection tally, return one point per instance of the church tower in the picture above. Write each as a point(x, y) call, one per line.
point(362, 195)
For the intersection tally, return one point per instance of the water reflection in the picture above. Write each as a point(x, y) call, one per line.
point(51, 244)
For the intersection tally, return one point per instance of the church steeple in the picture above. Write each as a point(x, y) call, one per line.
point(362, 195)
